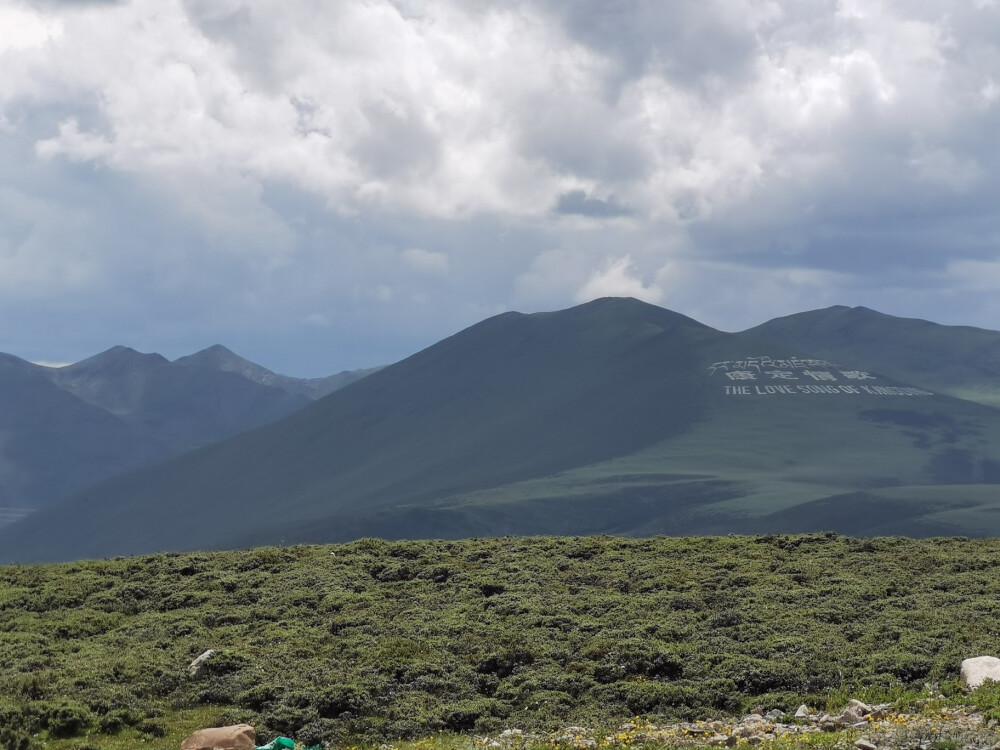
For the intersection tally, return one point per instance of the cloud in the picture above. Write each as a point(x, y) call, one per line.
point(21, 28)
point(578, 202)
point(618, 279)
point(400, 168)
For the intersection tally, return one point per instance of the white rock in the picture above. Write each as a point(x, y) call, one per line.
point(863, 708)
point(195, 667)
point(863, 743)
point(979, 669)
point(802, 712)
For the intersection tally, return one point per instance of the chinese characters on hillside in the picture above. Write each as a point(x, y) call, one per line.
point(766, 376)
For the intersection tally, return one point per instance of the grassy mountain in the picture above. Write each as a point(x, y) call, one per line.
point(614, 416)
point(62, 429)
point(958, 360)
point(193, 405)
point(53, 443)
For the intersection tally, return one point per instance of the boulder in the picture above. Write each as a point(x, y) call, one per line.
point(236, 737)
point(802, 712)
point(862, 708)
point(852, 715)
point(828, 723)
point(863, 743)
point(195, 668)
point(978, 669)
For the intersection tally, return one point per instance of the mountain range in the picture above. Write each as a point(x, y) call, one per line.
point(65, 428)
point(611, 417)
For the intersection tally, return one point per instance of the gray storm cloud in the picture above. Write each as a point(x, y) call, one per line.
point(404, 168)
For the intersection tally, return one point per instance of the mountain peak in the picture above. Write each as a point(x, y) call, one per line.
point(632, 310)
point(118, 356)
point(218, 357)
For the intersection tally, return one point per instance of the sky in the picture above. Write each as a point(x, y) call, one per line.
point(324, 186)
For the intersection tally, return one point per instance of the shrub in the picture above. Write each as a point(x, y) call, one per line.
point(151, 729)
point(16, 739)
point(66, 719)
point(116, 720)
point(335, 701)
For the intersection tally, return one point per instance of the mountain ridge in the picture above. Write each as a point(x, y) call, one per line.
point(615, 415)
point(912, 352)
point(64, 428)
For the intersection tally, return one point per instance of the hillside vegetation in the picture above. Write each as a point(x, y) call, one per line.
point(374, 641)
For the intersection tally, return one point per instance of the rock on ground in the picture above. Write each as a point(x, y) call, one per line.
point(236, 737)
point(195, 668)
point(978, 669)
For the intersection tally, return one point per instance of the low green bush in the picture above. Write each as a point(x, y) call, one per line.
point(384, 641)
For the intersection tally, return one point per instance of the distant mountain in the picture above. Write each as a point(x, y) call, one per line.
point(221, 359)
point(53, 443)
point(62, 429)
point(958, 360)
point(192, 405)
point(611, 417)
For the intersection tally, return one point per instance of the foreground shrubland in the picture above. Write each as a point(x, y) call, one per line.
point(375, 641)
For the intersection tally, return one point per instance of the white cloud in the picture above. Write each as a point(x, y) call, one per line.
point(255, 163)
point(733, 296)
point(73, 144)
point(990, 92)
point(618, 279)
point(22, 28)
point(452, 110)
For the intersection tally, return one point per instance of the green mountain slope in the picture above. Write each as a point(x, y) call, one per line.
point(63, 429)
point(958, 360)
point(614, 416)
point(52, 443)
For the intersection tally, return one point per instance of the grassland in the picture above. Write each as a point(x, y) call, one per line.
point(376, 641)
